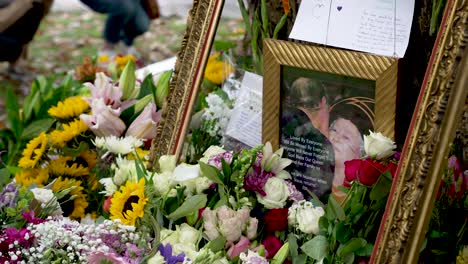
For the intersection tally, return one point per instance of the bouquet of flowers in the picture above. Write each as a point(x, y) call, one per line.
point(446, 237)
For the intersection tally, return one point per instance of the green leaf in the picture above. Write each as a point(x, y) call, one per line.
point(147, 86)
point(365, 251)
point(217, 244)
point(210, 172)
point(36, 127)
point(281, 255)
point(343, 232)
point(4, 177)
point(316, 248)
point(293, 247)
point(323, 225)
point(352, 246)
point(73, 152)
point(220, 45)
point(280, 25)
point(347, 259)
point(12, 108)
point(264, 14)
point(30, 101)
point(382, 187)
point(192, 204)
point(300, 259)
point(334, 210)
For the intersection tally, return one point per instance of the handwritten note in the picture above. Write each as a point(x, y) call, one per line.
point(376, 26)
point(245, 124)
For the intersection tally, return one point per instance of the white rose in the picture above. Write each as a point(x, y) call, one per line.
point(44, 196)
point(378, 146)
point(188, 235)
point(157, 259)
point(185, 172)
point(308, 219)
point(277, 193)
point(169, 236)
point(162, 183)
point(211, 151)
point(196, 186)
point(167, 163)
point(47, 198)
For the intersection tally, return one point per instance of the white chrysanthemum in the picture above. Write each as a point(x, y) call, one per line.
point(124, 170)
point(109, 186)
point(118, 145)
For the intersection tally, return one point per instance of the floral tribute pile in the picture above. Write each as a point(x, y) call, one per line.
point(81, 193)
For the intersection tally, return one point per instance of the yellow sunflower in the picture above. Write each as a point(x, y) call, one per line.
point(33, 151)
point(70, 130)
point(93, 183)
point(75, 209)
point(69, 108)
point(129, 202)
point(87, 158)
point(65, 166)
point(29, 177)
point(216, 70)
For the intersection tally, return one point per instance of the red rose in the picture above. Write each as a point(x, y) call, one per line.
point(272, 244)
point(362, 260)
point(352, 168)
point(276, 220)
point(392, 167)
point(367, 171)
point(370, 171)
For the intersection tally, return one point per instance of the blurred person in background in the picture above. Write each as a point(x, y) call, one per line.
point(126, 20)
point(19, 21)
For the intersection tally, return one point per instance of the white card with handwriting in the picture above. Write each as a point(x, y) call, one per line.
point(363, 25)
point(245, 124)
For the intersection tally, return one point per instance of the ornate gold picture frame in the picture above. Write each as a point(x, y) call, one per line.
point(319, 102)
point(439, 109)
point(188, 74)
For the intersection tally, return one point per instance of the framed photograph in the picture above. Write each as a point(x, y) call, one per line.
point(319, 102)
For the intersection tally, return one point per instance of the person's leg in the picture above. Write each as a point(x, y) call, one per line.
point(13, 40)
point(138, 25)
point(10, 48)
point(119, 12)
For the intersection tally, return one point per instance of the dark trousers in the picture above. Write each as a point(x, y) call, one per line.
point(126, 19)
point(13, 39)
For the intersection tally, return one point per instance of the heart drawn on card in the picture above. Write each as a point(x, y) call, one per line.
point(339, 8)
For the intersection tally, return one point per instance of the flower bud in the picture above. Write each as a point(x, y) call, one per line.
point(127, 82)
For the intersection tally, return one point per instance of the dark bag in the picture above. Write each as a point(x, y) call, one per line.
point(151, 7)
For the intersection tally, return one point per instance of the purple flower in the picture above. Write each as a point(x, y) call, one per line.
point(397, 156)
point(9, 195)
point(294, 194)
point(256, 179)
point(132, 254)
point(10, 236)
point(166, 252)
point(98, 257)
point(30, 218)
point(216, 159)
